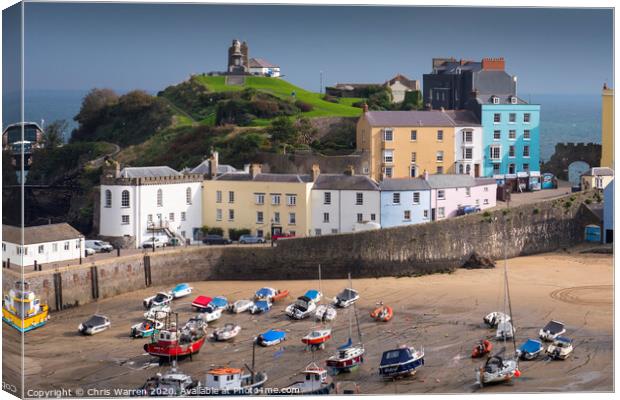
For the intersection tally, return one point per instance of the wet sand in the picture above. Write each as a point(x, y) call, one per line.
point(442, 313)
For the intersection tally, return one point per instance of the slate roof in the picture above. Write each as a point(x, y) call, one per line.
point(244, 176)
point(421, 118)
point(492, 81)
point(503, 99)
point(344, 182)
point(450, 66)
point(599, 171)
point(404, 184)
point(260, 63)
point(446, 181)
point(148, 172)
point(40, 234)
point(203, 168)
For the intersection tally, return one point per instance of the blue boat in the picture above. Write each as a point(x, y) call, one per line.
point(530, 349)
point(217, 303)
point(271, 338)
point(265, 293)
point(181, 290)
point(399, 362)
point(314, 295)
point(260, 306)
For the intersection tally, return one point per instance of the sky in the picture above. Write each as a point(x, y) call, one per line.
point(151, 46)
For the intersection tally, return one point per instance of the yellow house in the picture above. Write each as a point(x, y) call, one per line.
point(404, 144)
point(597, 178)
point(607, 128)
point(259, 201)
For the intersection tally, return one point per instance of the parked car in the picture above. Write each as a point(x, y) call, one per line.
point(99, 246)
point(154, 241)
point(250, 239)
point(215, 239)
point(464, 210)
point(90, 251)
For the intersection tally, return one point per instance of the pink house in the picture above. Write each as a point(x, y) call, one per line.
point(451, 192)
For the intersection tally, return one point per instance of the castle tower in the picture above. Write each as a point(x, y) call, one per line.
point(238, 58)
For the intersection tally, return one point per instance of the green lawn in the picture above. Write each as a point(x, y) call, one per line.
point(286, 90)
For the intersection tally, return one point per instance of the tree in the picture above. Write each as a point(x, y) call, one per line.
point(306, 131)
point(55, 133)
point(412, 101)
point(282, 131)
point(93, 103)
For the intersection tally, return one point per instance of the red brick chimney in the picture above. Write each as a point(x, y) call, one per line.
point(493, 64)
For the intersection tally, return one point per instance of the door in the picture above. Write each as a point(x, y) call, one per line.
point(476, 170)
point(433, 214)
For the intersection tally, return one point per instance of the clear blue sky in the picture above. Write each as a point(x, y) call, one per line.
point(126, 46)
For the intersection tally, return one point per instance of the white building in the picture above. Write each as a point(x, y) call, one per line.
point(139, 203)
point(344, 203)
point(261, 67)
point(468, 150)
point(43, 244)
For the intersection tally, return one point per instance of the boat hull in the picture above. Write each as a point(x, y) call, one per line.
point(315, 341)
point(175, 350)
point(344, 365)
point(409, 368)
point(30, 323)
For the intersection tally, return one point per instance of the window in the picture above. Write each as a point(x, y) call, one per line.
point(183, 216)
point(526, 134)
point(495, 100)
point(526, 118)
point(440, 170)
point(425, 213)
point(414, 136)
point(526, 151)
point(477, 202)
point(511, 168)
point(467, 192)
point(495, 152)
point(54, 247)
point(317, 232)
point(441, 212)
point(526, 167)
point(468, 153)
point(218, 196)
point(125, 219)
point(460, 168)
point(66, 247)
point(292, 220)
point(512, 118)
point(359, 198)
point(511, 151)
point(125, 198)
point(327, 198)
point(171, 217)
point(441, 194)
point(260, 198)
point(334, 231)
point(41, 249)
point(513, 99)
point(440, 135)
point(373, 217)
point(486, 201)
point(231, 215)
point(259, 233)
point(395, 198)
point(108, 199)
point(365, 170)
point(292, 233)
point(496, 168)
point(413, 171)
point(486, 188)
point(325, 217)
point(159, 218)
point(388, 156)
point(259, 217)
point(3, 246)
point(276, 217)
point(468, 169)
point(388, 172)
point(183, 233)
point(512, 134)
point(468, 137)
point(160, 198)
point(275, 199)
point(218, 214)
point(497, 118)
point(416, 197)
point(439, 156)
point(149, 218)
point(414, 157)
point(291, 199)
point(407, 215)
point(497, 135)
point(188, 196)
point(231, 197)
point(388, 135)
point(360, 218)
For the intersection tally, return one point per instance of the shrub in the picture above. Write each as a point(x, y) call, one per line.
point(235, 234)
point(214, 230)
point(588, 201)
point(536, 211)
point(486, 214)
point(303, 106)
point(331, 99)
point(567, 204)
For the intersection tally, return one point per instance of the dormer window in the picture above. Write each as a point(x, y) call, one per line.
point(495, 99)
point(513, 100)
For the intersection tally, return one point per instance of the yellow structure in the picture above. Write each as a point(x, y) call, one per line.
point(403, 144)
point(22, 310)
point(607, 128)
point(258, 201)
point(597, 178)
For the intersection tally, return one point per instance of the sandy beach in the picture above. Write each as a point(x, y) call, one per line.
point(442, 313)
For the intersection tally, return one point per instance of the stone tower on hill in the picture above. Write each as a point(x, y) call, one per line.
point(238, 60)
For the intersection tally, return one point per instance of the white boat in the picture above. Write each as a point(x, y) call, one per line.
point(552, 330)
point(505, 330)
point(226, 332)
point(213, 315)
point(325, 313)
point(231, 381)
point(181, 290)
point(146, 328)
point(157, 312)
point(240, 306)
point(497, 369)
point(316, 381)
point(161, 298)
point(494, 318)
point(95, 324)
point(560, 349)
point(302, 308)
point(170, 383)
point(346, 298)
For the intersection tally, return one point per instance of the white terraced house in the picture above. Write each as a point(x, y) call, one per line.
point(140, 203)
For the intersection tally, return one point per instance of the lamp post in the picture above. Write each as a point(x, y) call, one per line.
point(271, 229)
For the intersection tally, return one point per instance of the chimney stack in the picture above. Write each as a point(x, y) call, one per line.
point(425, 175)
point(255, 169)
point(365, 107)
point(316, 171)
point(350, 171)
point(493, 64)
point(214, 161)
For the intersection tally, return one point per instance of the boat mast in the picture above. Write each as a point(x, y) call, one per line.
point(357, 322)
point(507, 286)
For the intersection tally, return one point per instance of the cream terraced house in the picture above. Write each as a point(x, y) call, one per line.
point(259, 201)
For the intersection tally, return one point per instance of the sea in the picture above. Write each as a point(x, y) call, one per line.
point(563, 118)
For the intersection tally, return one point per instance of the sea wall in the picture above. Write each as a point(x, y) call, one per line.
point(402, 251)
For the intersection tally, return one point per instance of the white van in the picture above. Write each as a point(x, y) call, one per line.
point(99, 246)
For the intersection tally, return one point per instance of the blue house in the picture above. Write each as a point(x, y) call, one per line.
point(510, 134)
point(405, 202)
point(608, 213)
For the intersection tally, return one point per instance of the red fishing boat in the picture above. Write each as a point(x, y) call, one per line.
point(317, 337)
point(172, 342)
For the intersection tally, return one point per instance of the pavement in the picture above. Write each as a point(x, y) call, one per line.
point(517, 199)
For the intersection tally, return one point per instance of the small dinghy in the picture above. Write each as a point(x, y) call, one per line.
point(314, 295)
point(346, 298)
point(325, 313)
point(157, 312)
point(240, 306)
point(382, 313)
point(95, 324)
point(494, 318)
point(481, 348)
point(401, 362)
point(201, 302)
point(505, 330)
point(270, 294)
point(317, 338)
point(552, 330)
point(316, 381)
point(302, 308)
point(560, 349)
point(226, 332)
point(160, 299)
point(271, 338)
point(146, 328)
point(280, 294)
point(260, 306)
point(496, 369)
point(171, 383)
point(530, 349)
point(212, 315)
point(181, 290)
